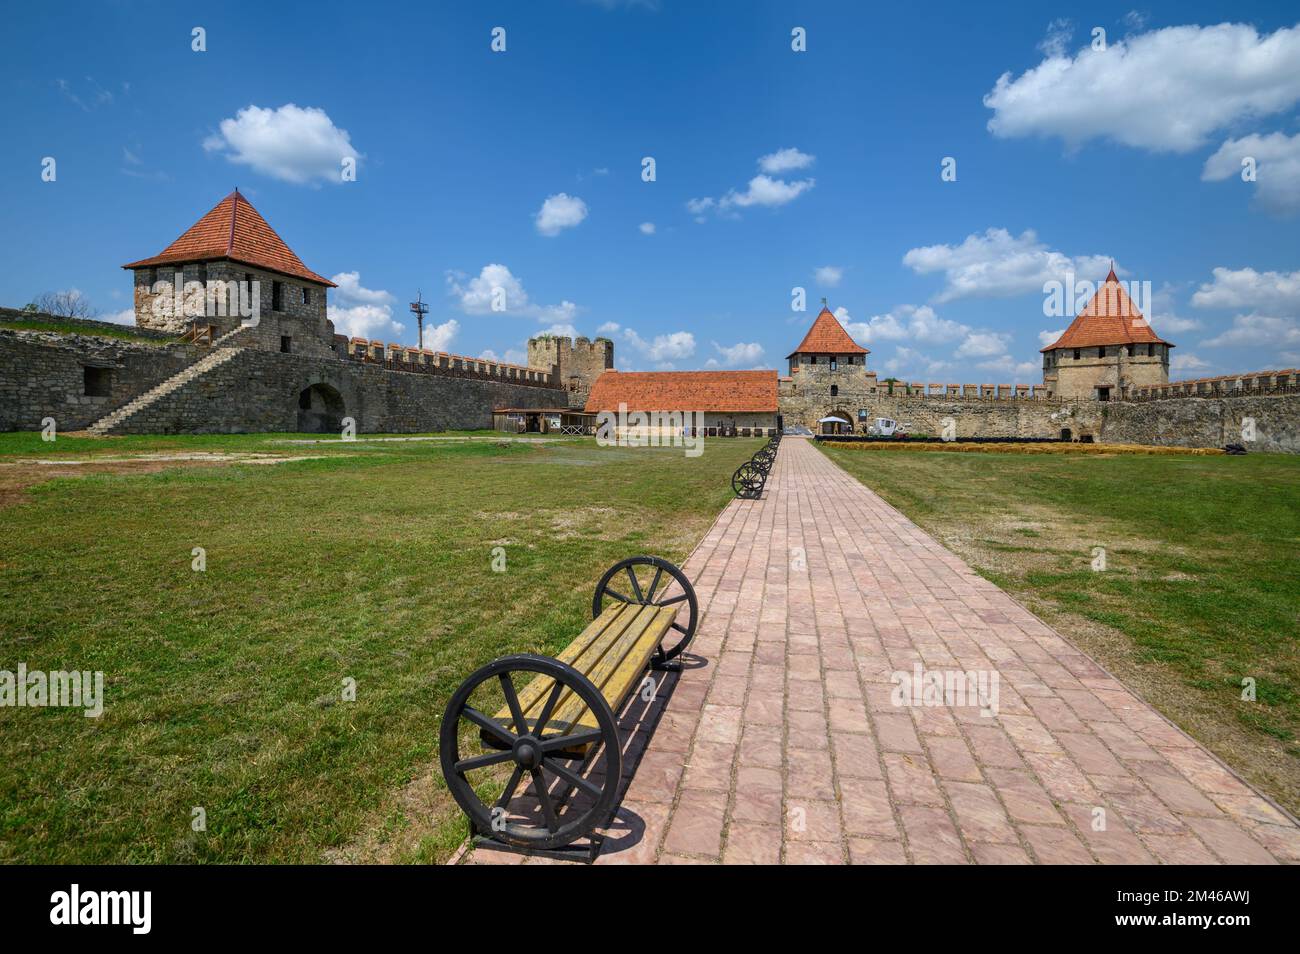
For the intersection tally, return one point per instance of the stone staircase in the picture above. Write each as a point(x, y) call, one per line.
point(220, 354)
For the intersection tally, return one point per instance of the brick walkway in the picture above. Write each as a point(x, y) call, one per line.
point(782, 744)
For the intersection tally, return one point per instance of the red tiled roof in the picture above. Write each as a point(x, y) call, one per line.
point(709, 391)
point(237, 231)
point(827, 336)
point(1111, 318)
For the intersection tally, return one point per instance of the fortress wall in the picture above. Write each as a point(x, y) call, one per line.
point(258, 391)
point(1205, 422)
point(43, 375)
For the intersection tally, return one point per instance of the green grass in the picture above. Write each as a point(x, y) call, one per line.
point(223, 688)
point(1201, 590)
point(72, 328)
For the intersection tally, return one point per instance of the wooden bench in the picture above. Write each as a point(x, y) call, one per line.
point(557, 731)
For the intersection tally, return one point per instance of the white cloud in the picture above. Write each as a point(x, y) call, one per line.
point(560, 211)
point(762, 190)
point(829, 275)
point(739, 353)
point(1162, 317)
point(1046, 338)
point(350, 290)
point(291, 143)
point(487, 354)
point(124, 317)
point(675, 346)
point(1057, 39)
point(1187, 362)
point(608, 328)
point(1247, 288)
point(647, 228)
point(1277, 168)
point(496, 290)
point(1257, 329)
point(766, 191)
point(1009, 366)
point(785, 160)
point(439, 337)
point(998, 265)
point(361, 312)
point(910, 363)
point(982, 344)
point(561, 330)
point(697, 207)
point(1165, 91)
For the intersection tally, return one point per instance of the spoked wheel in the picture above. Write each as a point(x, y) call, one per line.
point(565, 794)
point(747, 481)
point(645, 581)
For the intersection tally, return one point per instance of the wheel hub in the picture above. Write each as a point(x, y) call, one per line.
point(527, 752)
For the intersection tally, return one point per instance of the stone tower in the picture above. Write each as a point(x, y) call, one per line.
point(1108, 350)
point(223, 268)
point(828, 378)
point(574, 364)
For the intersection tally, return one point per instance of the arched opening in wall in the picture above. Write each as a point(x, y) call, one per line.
point(320, 410)
point(1065, 434)
point(836, 423)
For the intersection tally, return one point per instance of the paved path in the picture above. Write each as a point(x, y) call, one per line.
point(782, 744)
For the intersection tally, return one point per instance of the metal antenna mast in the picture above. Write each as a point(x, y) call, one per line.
point(419, 309)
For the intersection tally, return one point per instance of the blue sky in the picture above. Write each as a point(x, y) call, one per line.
point(774, 169)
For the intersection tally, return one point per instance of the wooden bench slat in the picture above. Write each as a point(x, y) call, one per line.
point(615, 675)
point(609, 624)
point(612, 652)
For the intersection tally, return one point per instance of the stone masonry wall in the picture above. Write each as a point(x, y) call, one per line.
point(1205, 422)
point(43, 375)
point(259, 391)
point(304, 323)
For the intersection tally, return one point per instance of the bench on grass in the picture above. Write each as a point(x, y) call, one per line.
point(557, 731)
point(750, 477)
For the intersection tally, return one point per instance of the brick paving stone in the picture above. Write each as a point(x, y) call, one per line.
point(782, 742)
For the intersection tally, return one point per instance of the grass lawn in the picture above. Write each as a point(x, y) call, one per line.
point(72, 328)
point(1202, 582)
point(224, 687)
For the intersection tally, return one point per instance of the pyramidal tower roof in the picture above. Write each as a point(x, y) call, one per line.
point(1110, 318)
point(236, 231)
point(827, 336)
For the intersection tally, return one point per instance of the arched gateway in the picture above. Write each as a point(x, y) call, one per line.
point(320, 410)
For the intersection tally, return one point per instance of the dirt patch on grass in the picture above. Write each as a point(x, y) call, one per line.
point(18, 476)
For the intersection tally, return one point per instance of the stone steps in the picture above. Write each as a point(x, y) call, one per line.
point(106, 424)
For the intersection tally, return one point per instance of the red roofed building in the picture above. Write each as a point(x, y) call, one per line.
point(222, 268)
point(743, 402)
point(1107, 351)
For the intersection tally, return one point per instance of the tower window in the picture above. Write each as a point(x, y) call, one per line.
point(306, 295)
point(1151, 351)
point(1077, 354)
point(277, 296)
point(835, 388)
point(1101, 352)
point(834, 365)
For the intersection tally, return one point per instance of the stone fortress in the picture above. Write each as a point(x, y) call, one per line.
point(232, 335)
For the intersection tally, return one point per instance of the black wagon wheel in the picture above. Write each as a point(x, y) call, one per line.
point(565, 796)
point(747, 481)
point(646, 581)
